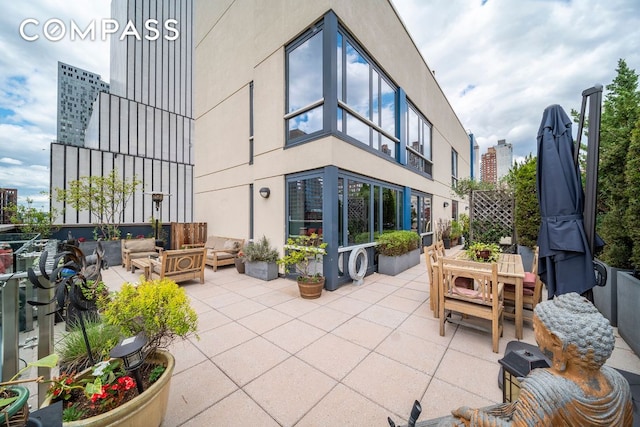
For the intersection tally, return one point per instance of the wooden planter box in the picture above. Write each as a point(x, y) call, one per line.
point(392, 265)
point(628, 313)
point(261, 270)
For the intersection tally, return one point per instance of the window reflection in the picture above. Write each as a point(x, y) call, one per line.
point(305, 73)
point(357, 129)
point(305, 206)
point(305, 123)
point(358, 211)
point(418, 140)
point(421, 214)
point(357, 81)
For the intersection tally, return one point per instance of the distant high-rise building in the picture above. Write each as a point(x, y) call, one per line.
point(8, 196)
point(488, 166)
point(77, 89)
point(504, 158)
point(144, 126)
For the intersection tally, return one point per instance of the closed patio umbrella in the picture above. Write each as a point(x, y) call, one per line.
point(565, 261)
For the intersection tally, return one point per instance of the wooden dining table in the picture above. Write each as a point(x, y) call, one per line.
point(511, 271)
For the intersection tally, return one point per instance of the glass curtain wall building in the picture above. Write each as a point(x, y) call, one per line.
point(358, 154)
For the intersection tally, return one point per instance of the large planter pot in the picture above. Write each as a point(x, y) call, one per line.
point(628, 313)
point(18, 411)
point(446, 242)
point(526, 253)
point(112, 250)
point(392, 265)
point(310, 289)
point(239, 265)
point(605, 298)
point(148, 409)
point(261, 270)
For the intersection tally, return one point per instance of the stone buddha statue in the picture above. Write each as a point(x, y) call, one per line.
point(577, 390)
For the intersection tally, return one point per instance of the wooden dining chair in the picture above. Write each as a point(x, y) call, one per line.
point(431, 257)
point(531, 289)
point(485, 300)
point(440, 248)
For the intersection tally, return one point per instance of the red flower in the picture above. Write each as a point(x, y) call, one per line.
point(127, 382)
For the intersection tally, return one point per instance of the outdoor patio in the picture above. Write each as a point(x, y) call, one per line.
point(266, 357)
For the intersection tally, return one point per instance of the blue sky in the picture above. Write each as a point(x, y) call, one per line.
point(499, 62)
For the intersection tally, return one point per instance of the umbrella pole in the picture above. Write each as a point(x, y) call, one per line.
point(593, 149)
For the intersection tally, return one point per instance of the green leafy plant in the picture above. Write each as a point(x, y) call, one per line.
point(105, 198)
point(299, 252)
point(31, 219)
point(396, 243)
point(488, 231)
point(456, 229)
point(156, 373)
point(483, 252)
point(444, 229)
point(49, 361)
point(73, 352)
point(260, 251)
point(158, 308)
point(522, 178)
point(72, 413)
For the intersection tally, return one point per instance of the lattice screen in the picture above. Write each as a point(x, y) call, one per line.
point(492, 215)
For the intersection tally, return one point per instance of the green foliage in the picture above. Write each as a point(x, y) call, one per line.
point(156, 373)
point(619, 117)
point(632, 178)
point(158, 308)
point(488, 231)
point(72, 349)
point(456, 229)
point(260, 251)
point(522, 178)
point(444, 229)
point(104, 197)
point(300, 251)
point(467, 185)
point(463, 219)
point(32, 220)
point(49, 361)
point(397, 243)
point(73, 413)
point(474, 252)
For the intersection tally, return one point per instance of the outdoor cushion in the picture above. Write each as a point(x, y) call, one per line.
point(140, 245)
point(512, 288)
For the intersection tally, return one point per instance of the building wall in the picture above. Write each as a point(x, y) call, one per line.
point(243, 41)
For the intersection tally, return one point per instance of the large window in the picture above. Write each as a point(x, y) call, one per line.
point(454, 168)
point(366, 99)
point(304, 86)
point(421, 213)
point(418, 141)
point(305, 206)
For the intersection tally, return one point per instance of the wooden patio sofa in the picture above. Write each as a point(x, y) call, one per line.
point(222, 250)
point(179, 265)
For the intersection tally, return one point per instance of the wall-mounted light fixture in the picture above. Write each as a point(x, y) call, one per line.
point(446, 204)
point(265, 192)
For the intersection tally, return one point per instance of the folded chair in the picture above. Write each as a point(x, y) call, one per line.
point(485, 300)
point(431, 256)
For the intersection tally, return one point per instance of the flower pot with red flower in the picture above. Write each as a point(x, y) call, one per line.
point(303, 257)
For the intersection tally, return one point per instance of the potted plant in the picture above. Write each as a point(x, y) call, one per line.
point(301, 253)
point(158, 310)
point(444, 232)
point(397, 251)
point(456, 232)
point(483, 252)
point(105, 198)
point(239, 262)
point(261, 259)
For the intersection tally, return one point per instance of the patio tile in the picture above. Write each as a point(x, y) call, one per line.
point(254, 291)
point(362, 332)
point(205, 291)
point(367, 295)
point(471, 373)
point(272, 298)
point(219, 301)
point(412, 351)
point(349, 305)
point(186, 355)
point(264, 320)
point(383, 316)
point(399, 303)
point(241, 309)
point(420, 294)
point(345, 407)
point(386, 285)
point(293, 336)
point(325, 318)
point(442, 397)
point(222, 338)
point(211, 319)
point(625, 360)
point(296, 307)
point(249, 360)
point(236, 410)
point(392, 385)
point(333, 355)
point(192, 392)
point(289, 390)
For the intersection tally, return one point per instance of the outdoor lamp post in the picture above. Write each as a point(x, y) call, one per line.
point(517, 365)
point(130, 351)
point(157, 199)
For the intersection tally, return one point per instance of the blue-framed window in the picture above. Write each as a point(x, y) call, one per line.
point(454, 168)
point(418, 141)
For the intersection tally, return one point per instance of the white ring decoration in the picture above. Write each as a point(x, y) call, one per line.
point(358, 276)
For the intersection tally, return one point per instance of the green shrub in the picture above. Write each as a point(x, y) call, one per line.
point(73, 352)
point(397, 242)
point(158, 308)
point(260, 251)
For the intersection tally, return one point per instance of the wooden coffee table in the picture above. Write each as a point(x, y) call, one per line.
point(142, 263)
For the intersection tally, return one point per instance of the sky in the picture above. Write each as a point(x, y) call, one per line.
point(498, 62)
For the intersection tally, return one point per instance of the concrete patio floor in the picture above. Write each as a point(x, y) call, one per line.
point(266, 357)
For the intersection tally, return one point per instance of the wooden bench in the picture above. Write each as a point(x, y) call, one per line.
point(138, 248)
point(179, 265)
point(222, 250)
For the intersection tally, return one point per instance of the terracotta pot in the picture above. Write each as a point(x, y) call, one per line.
point(146, 410)
point(310, 289)
point(484, 254)
point(239, 265)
